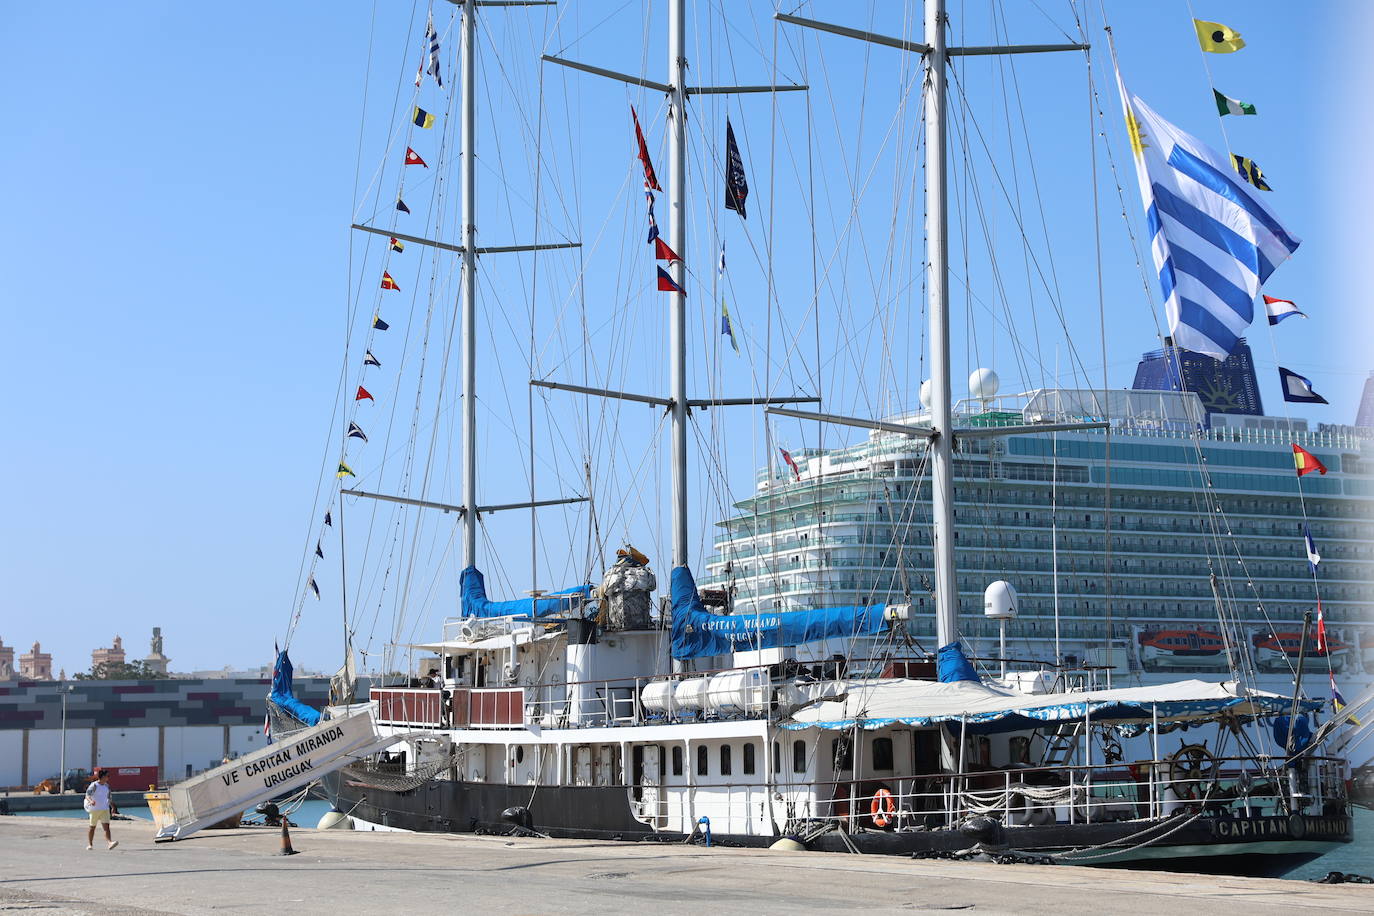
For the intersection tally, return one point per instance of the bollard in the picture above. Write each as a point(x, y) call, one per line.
point(286, 849)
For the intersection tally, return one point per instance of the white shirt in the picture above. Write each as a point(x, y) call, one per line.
point(97, 797)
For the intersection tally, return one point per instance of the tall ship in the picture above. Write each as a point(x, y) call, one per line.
point(923, 644)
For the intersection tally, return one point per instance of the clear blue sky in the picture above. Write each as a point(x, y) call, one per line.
point(180, 180)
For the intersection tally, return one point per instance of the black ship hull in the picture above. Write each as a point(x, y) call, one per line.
point(1220, 844)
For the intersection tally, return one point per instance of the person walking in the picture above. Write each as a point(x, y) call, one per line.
point(97, 805)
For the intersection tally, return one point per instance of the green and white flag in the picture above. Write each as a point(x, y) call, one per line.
point(1227, 105)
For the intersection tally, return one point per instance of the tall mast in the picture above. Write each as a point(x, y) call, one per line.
point(677, 234)
point(468, 251)
point(937, 278)
point(941, 430)
point(469, 316)
point(677, 403)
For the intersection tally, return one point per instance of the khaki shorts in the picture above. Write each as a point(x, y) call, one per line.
point(100, 816)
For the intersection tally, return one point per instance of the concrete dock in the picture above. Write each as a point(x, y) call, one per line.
point(44, 865)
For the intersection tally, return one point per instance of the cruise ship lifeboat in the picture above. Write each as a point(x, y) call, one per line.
point(1277, 651)
point(1181, 648)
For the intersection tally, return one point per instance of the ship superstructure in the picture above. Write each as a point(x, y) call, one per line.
point(1187, 503)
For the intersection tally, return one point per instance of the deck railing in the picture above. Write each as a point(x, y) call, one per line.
point(1237, 788)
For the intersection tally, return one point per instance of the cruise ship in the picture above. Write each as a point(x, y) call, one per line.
point(1206, 513)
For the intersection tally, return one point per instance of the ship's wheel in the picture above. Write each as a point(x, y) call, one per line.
point(1189, 767)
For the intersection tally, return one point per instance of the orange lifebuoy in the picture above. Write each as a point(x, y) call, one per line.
point(883, 808)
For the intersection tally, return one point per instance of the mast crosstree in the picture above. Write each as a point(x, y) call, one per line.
point(469, 511)
point(677, 403)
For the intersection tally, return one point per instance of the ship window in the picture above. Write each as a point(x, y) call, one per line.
point(725, 760)
point(703, 761)
point(882, 753)
point(677, 761)
point(777, 756)
point(798, 756)
point(748, 762)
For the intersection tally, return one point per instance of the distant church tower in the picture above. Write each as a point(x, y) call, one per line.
point(111, 656)
point(36, 665)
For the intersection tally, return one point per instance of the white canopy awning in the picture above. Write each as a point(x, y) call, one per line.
point(500, 641)
point(879, 703)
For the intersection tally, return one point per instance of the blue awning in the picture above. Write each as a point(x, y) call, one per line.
point(475, 603)
point(698, 633)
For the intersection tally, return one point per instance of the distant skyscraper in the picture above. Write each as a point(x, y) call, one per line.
point(1225, 386)
point(1365, 417)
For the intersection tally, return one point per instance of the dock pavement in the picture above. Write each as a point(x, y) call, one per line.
point(44, 866)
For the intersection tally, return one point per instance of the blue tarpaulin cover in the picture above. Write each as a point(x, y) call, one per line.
point(476, 604)
point(283, 695)
point(698, 633)
point(951, 664)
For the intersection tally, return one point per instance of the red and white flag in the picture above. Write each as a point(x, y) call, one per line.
point(791, 462)
point(1321, 627)
point(413, 158)
point(1279, 309)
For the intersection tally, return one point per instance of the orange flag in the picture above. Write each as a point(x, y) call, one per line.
point(1306, 461)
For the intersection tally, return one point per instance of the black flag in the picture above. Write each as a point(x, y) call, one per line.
point(370, 360)
point(328, 519)
point(355, 432)
point(319, 552)
point(736, 188)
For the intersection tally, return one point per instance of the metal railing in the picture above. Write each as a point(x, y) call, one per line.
point(1146, 791)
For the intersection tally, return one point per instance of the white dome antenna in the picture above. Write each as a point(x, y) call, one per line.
point(983, 384)
point(999, 604)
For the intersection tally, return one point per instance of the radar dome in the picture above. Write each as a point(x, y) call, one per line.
point(999, 601)
point(983, 384)
point(925, 394)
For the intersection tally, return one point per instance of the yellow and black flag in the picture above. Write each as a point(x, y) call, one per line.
point(1250, 172)
point(422, 118)
point(1217, 38)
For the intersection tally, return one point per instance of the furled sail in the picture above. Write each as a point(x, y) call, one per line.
point(698, 633)
point(475, 602)
point(284, 697)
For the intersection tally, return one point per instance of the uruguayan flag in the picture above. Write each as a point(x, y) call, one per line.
point(1215, 242)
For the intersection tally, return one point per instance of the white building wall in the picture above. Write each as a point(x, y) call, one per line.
point(244, 739)
point(125, 747)
point(11, 758)
point(45, 751)
point(196, 746)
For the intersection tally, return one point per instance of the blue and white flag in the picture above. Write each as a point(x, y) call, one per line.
point(1313, 558)
point(1214, 241)
point(432, 45)
point(653, 224)
point(1298, 389)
